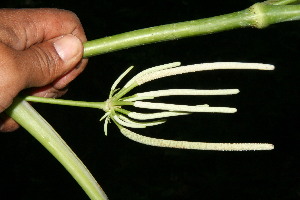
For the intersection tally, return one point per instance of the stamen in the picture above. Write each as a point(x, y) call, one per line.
point(147, 116)
point(135, 98)
point(151, 70)
point(201, 67)
point(113, 87)
point(127, 124)
point(173, 92)
point(195, 145)
point(153, 123)
point(182, 108)
point(104, 116)
point(105, 125)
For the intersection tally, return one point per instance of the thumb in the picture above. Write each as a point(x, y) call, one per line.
point(43, 63)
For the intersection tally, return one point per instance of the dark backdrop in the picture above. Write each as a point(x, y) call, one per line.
point(131, 171)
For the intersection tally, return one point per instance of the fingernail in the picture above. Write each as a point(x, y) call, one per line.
point(68, 47)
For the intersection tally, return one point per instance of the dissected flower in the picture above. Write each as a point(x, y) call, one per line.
point(125, 119)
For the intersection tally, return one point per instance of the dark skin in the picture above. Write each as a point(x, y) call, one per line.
point(40, 52)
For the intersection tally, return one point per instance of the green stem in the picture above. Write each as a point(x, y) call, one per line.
point(259, 15)
point(280, 2)
point(85, 104)
point(28, 118)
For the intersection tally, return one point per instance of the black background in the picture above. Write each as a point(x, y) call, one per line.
point(267, 112)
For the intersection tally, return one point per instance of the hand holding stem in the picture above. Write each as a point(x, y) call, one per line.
point(36, 53)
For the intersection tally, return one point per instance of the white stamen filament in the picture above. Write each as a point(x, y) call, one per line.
point(125, 119)
point(151, 70)
point(158, 115)
point(195, 145)
point(104, 116)
point(113, 87)
point(182, 108)
point(201, 67)
point(105, 125)
point(172, 92)
point(136, 98)
point(127, 124)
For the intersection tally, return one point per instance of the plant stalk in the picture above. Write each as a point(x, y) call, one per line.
point(260, 15)
point(85, 104)
point(24, 114)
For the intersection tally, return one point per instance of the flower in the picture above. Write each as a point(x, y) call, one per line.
point(125, 119)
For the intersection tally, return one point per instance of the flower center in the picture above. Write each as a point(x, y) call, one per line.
point(108, 105)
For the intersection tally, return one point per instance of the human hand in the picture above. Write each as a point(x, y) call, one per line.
point(40, 49)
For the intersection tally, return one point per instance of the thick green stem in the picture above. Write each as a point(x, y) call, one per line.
point(23, 113)
point(259, 15)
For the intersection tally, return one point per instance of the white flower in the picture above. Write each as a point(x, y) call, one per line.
point(125, 119)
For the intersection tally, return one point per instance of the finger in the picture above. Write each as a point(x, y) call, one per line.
point(7, 124)
point(63, 81)
point(22, 28)
point(43, 63)
point(10, 84)
point(47, 91)
point(37, 66)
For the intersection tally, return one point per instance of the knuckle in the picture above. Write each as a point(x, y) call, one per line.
point(46, 63)
point(71, 15)
point(67, 16)
point(8, 68)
